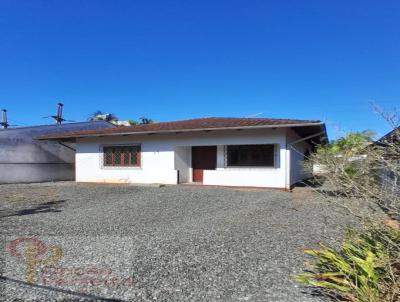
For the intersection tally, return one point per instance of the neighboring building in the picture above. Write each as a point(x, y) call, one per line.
point(389, 176)
point(255, 152)
point(23, 159)
point(392, 136)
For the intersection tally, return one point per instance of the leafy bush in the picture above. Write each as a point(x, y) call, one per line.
point(355, 171)
point(354, 168)
point(366, 267)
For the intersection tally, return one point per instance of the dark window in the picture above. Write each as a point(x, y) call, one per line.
point(251, 156)
point(121, 156)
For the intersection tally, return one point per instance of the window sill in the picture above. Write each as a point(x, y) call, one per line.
point(120, 168)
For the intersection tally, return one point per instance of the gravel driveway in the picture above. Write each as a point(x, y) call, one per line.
point(174, 243)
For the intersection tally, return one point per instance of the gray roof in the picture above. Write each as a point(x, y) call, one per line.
point(18, 145)
point(393, 135)
point(33, 131)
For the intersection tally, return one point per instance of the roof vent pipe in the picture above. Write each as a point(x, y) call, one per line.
point(58, 117)
point(4, 123)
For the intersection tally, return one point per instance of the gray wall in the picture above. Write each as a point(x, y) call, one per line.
point(24, 173)
point(24, 159)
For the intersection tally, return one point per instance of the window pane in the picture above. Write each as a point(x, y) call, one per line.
point(117, 156)
point(126, 153)
point(121, 156)
point(107, 156)
point(134, 154)
point(251, 155)
point(233, 156)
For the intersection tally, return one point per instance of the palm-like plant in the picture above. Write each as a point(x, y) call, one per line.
point(365, 269)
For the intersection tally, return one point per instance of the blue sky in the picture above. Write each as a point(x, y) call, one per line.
point(171, 60)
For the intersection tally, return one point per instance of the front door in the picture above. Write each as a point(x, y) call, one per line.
point(203, 158)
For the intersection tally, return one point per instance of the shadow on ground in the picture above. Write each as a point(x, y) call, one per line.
point(65, 291)
point(46, 207)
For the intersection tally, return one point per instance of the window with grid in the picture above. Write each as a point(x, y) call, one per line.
point(251, 156)
point(121, 156)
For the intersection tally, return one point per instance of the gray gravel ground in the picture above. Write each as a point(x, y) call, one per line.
point(174, 243)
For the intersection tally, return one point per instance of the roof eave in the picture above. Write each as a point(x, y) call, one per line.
point(177, 130)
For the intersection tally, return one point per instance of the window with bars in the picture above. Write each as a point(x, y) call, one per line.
point(121, 156)
point(251, 156)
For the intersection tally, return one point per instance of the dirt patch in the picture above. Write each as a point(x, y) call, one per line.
point(303, 194)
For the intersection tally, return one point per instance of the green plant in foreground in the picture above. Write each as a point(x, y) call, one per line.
point(366, 268)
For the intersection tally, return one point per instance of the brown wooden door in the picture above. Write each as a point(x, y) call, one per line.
point(203, 158)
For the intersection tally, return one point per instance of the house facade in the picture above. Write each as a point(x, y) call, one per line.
point(210, 151)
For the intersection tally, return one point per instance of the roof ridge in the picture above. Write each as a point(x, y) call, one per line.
point(231, 118)
point(261, 118)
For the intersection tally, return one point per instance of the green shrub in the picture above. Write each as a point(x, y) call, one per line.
point(366, 267)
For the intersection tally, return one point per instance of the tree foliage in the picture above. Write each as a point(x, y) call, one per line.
point(353, 167)
point(355, 170)
point(99, 115)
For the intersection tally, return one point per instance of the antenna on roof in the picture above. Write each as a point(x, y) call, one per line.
point(58, 117)
point(4, 123)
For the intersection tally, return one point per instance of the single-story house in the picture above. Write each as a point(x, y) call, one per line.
point(254, 152)
point(24, 159)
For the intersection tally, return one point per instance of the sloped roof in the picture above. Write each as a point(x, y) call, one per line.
point(199, 124)
point(18, 146)
point(54, 129)
point(392, 136)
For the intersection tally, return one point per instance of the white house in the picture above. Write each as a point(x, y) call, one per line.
point(254, 152)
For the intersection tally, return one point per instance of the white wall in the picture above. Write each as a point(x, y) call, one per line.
point(273, 177)
point(160, 161)
point(183, 159)
point(157, 163)
point(297, 151)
